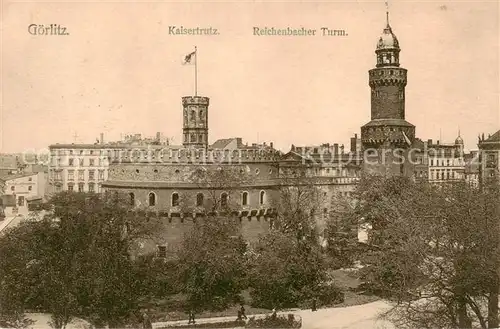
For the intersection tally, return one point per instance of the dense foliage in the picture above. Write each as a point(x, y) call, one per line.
point(212, 264)
point(434, 249)
point(74, 261)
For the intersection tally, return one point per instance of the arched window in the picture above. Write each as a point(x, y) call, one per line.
point(151, 199)
point(200, 138)
point(262, 197)
point(223, 200)
point(132, 199)
point(193, 138)
point(244, 199)
point(193, 115)
point(199, 199)
point(175, 199)
point(201, 114)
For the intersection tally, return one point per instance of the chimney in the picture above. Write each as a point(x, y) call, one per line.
point(429, 142)
point(353, 143)
point(101, 140)
point(271, 144)
point(158, 136)
point(335, 149)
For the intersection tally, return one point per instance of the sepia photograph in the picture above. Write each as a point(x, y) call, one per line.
point(249, 164)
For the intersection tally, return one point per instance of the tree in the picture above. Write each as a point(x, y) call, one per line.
point(285, 271)
point(435, 251)
point(212, 259)
point(299, 206)
point(341, 234)
point(75, 260)
point(212, 264)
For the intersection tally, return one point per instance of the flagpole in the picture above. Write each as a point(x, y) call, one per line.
point(195, 71)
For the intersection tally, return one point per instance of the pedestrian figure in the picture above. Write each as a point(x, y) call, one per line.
point(191, 317)
point(242, 311)
point(313, 308)
point(239, 316)
point(146, 321)
point(274, 314)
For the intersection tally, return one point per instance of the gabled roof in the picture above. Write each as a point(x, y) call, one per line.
point(291, 156)
point(222, 143)
point(494, 138)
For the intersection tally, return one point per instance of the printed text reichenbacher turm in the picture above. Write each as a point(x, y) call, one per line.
point(302, 31)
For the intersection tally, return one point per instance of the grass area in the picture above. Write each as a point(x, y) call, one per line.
point(346, 279)
point(352, 299)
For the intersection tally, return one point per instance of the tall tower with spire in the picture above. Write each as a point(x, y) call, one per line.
point(387, 138)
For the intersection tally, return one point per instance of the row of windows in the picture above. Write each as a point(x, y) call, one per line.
point(442, 162)
point(13, 188)
point(72, 162)
point(81, 152)
point(193, 138)
point(81, 187)
point(200, 199)
point(192, 117)
point(81, 174)
point(382, 94)
point(441, 174)
point(387, 58)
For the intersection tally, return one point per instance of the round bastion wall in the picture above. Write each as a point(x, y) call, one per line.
point(170, 191)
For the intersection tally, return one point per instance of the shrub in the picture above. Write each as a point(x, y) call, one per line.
point(275, 322)
point(329, 295)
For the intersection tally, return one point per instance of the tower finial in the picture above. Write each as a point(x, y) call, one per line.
point(387, 11)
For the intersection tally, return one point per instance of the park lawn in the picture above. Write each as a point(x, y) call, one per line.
point(346, 279)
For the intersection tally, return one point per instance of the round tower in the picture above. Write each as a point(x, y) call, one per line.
point(195, 123)
point(388, 136)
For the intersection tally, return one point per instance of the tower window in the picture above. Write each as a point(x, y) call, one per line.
point(244, 199)
point(201, 114)
point(223, 200)
point(175, 199)
point(199, 199)
point(262, 197)
point(193, 115)
point(200, 138)
point(193, 138)
point(152, 199)
point(132, 199)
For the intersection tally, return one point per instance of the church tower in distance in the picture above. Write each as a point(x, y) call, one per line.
point(387, 138)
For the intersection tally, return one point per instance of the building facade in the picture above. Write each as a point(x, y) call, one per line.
point(489, 157)
point(23, 189)
point(446, 161)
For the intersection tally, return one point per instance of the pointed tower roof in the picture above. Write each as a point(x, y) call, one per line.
point(388, 39)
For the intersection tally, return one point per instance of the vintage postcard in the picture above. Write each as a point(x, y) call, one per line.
point(249, 164)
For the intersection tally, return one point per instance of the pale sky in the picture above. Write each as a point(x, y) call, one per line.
point(119, 71)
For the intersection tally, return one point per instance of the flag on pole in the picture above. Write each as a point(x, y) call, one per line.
point(189, 59)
